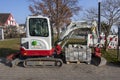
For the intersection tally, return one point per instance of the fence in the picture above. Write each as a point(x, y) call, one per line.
point(1, 34)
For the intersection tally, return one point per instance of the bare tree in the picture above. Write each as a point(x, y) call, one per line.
point(110, 12)
point(59, 11)
point(91, 14)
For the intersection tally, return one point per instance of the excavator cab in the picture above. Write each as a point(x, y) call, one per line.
point(38, 41)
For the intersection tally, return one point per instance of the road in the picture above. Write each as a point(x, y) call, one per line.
point(71, 71)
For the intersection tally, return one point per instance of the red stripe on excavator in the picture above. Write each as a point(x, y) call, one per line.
point(37, 52)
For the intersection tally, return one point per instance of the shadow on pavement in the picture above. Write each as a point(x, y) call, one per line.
point(102, 61)
point(7, 63)
point(3, 61)
point(114, 64)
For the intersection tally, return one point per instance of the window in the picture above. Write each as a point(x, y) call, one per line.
point(8, 22)
point(38, 27)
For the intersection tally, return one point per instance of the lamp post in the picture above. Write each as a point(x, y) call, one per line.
point(99, 19)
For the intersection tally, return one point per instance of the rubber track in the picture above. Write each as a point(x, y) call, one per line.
point(42, 62)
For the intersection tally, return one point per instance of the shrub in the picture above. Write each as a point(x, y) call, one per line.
point(11, 32)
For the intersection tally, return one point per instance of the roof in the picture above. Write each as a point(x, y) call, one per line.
point(4, 17)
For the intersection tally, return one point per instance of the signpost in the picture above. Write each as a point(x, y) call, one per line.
point(99, 20)
point(118, 47)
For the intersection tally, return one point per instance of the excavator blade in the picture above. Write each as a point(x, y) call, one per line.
point(98, 61)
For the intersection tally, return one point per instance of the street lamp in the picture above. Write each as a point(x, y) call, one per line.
point(99, 20)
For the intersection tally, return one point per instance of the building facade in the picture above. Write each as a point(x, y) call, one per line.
point(7, 19)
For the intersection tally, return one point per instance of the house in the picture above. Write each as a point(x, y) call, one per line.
point(7, 19)
point(21, 28)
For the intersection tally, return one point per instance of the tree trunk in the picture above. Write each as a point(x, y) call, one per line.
point(106, 42)
point(58, 33)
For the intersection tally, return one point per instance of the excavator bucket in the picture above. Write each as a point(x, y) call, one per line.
point(103, 61)
point(98, 61)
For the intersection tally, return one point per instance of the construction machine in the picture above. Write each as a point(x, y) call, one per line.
point(37, 49)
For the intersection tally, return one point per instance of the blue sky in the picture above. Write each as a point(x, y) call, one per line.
point(19, 8)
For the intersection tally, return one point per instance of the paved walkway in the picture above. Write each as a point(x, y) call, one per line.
point(72, 71)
